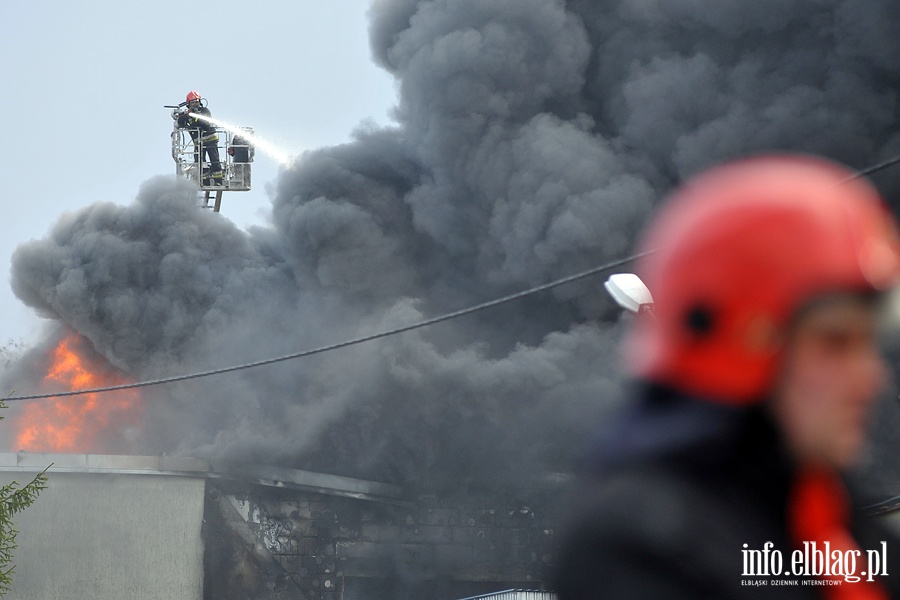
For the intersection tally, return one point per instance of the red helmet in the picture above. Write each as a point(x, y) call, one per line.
point(741, 249)
point(192, 95)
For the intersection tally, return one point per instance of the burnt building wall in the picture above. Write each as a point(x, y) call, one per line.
point(110, 527)
point(266, 543)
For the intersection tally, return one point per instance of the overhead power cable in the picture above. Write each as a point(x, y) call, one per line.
point(874, 168)
point(346, 343)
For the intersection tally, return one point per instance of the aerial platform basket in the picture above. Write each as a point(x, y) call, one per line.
point(235, 156)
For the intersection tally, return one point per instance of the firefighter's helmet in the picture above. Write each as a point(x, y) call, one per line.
point(192, 96)
point(740, 249)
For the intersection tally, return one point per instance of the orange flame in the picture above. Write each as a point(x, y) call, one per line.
point(76, 423)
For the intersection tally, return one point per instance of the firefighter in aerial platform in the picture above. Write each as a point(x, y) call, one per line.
point(204, 135)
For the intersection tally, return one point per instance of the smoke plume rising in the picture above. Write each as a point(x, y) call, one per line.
point(532, 140)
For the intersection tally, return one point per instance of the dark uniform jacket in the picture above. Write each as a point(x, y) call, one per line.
point(672, 500)
point(241, 149)
point(205, 130)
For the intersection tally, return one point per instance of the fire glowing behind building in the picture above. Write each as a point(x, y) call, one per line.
point(76, 423)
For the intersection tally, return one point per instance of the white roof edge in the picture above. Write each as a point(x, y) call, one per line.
point(185, 466)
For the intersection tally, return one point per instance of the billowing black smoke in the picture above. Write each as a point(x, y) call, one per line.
point(533, 138)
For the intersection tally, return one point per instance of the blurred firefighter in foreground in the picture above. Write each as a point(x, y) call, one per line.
point(204, 134)
point(753, 381)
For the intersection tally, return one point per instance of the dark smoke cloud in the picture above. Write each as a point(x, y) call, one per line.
point(532, 140)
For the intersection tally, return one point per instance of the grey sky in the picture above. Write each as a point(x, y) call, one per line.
point(84, 84)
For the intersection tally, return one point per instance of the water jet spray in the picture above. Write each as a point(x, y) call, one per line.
point(269, 149)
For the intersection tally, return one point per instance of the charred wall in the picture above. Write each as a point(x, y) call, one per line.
point(282, 544)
